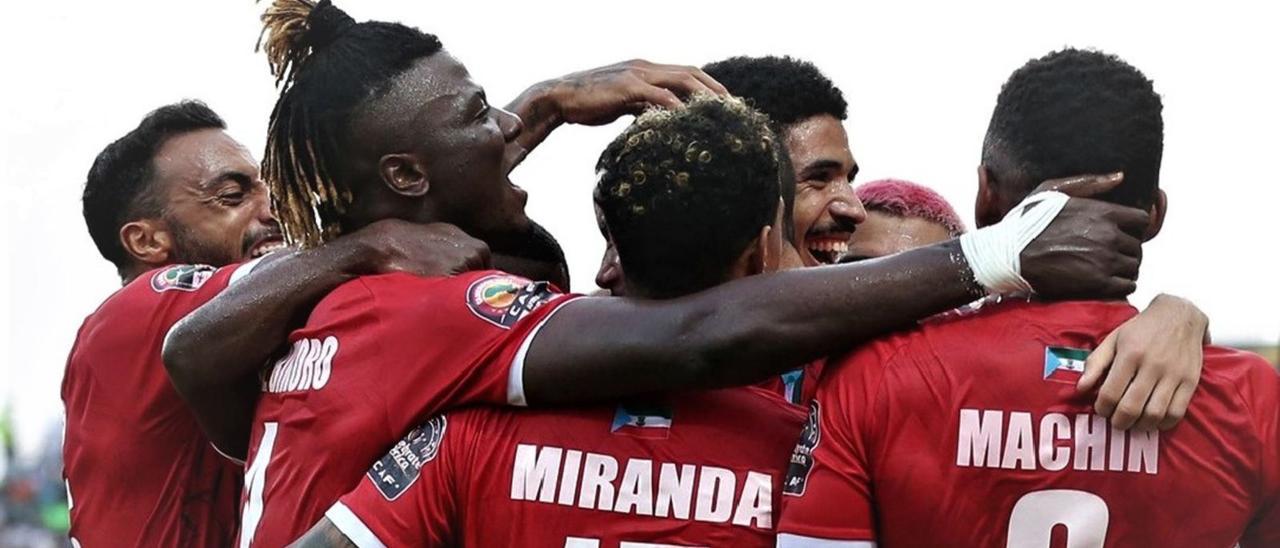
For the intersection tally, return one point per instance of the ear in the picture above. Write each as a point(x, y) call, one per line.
point(404, 174)
point(147, 241)
point(986, 210)
point(1158, 209)
point(764, 254)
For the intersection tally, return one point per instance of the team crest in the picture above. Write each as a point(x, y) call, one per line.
point(802, 455)
point(502, 299)
point(642, 421)
point(184, 277)
point(1062, 364)
point(400, 468)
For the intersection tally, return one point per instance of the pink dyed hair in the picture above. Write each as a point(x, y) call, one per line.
point(908, 199)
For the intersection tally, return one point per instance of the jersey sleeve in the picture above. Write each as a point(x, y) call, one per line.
point(827, 495)
point(1264, 396)
point(178, 290)
point(448, 342)
point(410, 497)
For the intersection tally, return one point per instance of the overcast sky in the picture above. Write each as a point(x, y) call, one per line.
point(921, 79)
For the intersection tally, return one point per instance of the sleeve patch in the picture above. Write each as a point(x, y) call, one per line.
point(184, 277)
point(396, 472)
point(802, 456)
point(502, 299)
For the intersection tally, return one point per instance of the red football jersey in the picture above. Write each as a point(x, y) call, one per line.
point(139, 470)
point(968, 431)
point(378, 356)
point(702, 469)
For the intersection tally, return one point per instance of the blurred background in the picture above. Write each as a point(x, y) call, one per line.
point(920, 77)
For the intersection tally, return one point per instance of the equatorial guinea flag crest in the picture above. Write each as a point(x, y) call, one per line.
point(1064, 364)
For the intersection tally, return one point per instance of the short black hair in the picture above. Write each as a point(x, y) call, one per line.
point(537, 256)
point(685, 191)
point(1076, 112)
point(118, 187)
point(329, 66)
point(786, 89)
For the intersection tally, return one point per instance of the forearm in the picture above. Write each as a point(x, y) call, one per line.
point(540, 115)
point(792, 318)
point(231, 336)
point(739, 332)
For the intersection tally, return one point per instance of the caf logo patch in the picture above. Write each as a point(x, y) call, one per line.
point(802, 455)
point(502, 299)
point(184, 277)
point(403, 464)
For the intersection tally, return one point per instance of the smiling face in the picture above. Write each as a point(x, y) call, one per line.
point(216, 210)
point(826, 209)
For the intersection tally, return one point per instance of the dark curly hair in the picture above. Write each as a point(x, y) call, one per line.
point(1074, 112)
point(118, 188)
point(329, 66)
point(685, 191)
point(786, 89)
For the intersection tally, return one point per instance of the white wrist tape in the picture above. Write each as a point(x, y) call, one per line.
point(994, 252)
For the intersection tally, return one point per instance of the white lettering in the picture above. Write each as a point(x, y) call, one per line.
point(597, 476)
point(535, 473)
point(675, 490)
point(1054, 427)
point(756, 502)
point(979, 437)
point(1091, 440)
point(715, 495)
point(569, 479)
point(1144, 451)
point(635, 494)
point(1019, 449)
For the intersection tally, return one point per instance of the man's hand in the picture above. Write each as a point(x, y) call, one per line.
point(437, 249)
point(1152, 365)
point(1092, 249)
point(601, 95)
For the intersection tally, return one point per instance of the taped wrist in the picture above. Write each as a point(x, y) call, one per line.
point(994, 252)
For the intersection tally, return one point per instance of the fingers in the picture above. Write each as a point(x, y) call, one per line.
point(1178, 405)
point(1097, 364)
point(1083, 186)
point(1134, 401)
point(682, 83)
point(1157, 408)
point(1113, 388)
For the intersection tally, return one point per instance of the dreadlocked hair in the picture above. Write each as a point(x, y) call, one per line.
point(328, 67)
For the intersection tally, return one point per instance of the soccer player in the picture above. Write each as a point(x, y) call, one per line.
point(969, 431)
point(375, 121)
point(901, 215)
point(618, 473)
point(808, 111)
point(178, 189)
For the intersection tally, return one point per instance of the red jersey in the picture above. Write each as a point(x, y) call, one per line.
point(703, 469)
point(139, 470)
point(969, 432)
point(378, 356)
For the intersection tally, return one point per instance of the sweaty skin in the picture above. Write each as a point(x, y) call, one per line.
point(826, 210)
point(885, 234)
point(215, 207)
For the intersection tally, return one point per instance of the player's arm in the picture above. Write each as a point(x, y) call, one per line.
point(601, 95)
point(212, 356)
point(1152, 365)
point(324, 535)
point(748, 329)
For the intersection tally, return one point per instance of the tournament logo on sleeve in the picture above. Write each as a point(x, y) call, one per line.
point(400, 468)
point(1062, 364)
point(183, 277)
point(802, 455)
point(502, 299)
